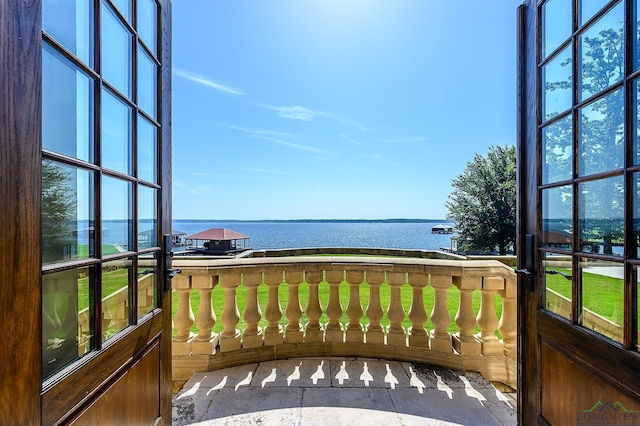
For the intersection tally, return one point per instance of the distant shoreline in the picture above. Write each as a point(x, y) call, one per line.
point(315, 221)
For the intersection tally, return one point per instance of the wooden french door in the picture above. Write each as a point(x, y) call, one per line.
point(579, 199)
point(85, 174)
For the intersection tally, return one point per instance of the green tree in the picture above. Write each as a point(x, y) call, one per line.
point(600, 138)
point(57, 211)
point(483, 202)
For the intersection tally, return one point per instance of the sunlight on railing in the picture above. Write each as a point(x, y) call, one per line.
point(454, 313)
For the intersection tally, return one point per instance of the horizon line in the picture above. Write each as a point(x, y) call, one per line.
point(317, 220)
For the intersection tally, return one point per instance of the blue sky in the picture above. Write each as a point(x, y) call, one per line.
point(336, 109)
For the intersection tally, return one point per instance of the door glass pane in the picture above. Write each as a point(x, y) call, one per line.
point(67, 107)
point(117, 218)
point(124, 7)
point(70, 23)
point(116, 52)
point(636, 118)
point(147, 217)
point(636, 213)
point(637, 283)
point(116, 278)
point(66, 325)
point(556, 24)
point(116, 134)
point(147, 151)
point(557, 163)
point(601, 216)
point(602, 53)
point(636, 37)
point(557, 279)
point(588, 9)
point(147, 87)
point(603, 297)
point(147, 23)
point(601, 145)
point(67, 213)
point(557, 223)
point(147, 283)
point(556, 80)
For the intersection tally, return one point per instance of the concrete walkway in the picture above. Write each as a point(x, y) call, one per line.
point(341, 391)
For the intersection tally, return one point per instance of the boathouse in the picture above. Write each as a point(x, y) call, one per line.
point(442, 229)
point(219, 241)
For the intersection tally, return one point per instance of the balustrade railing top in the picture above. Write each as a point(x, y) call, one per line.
point(455, 313)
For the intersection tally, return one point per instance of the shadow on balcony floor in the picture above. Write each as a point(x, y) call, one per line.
point(341, 391)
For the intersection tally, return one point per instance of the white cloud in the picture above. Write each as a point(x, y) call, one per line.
point(266, 171)
point(213, 175)
point(405, 140)
point(372, 157)
point(363, 128)
point(206, 82)
point(350, 140)
point(272, 133)
point(296, 112)
point(292, 145)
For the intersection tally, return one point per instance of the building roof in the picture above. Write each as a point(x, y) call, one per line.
point(219, 234)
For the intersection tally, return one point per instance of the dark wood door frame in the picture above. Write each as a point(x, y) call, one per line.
point(528, 401)
point(20, 188)
point(22, 400)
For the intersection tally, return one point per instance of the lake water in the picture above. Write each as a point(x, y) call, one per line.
point(277, 235)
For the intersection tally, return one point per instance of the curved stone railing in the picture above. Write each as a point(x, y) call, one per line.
point(115, 310)
point(474, 346)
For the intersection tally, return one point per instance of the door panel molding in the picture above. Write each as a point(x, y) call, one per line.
point(132, 398)
point(607, 360)
point(83, 384)
point(562, 404)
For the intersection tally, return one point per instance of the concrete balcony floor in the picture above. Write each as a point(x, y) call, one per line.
point(341, 391)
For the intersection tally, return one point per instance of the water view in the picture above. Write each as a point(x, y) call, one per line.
point(277, 235)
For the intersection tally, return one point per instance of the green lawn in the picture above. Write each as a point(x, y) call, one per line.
point(453, 297)
point(83, 250)
point(601, 294)
point(111, 282)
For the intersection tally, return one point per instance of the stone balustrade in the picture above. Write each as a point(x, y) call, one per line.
point(332, 325)
point(115, 310)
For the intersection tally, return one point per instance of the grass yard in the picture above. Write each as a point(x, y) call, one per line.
point(453, 297)
point(83, 250)
point(112, 281)
point(601, 294)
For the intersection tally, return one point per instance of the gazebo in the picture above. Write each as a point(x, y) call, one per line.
point(219, 241)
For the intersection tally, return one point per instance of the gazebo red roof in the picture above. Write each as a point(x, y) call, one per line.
point(218, 234)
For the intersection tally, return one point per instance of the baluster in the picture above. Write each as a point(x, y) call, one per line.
point(313, 331)
point(395, 332)
point(355, 332)
point(184, 318)
point(206, 341)
point(440, 337)
point(273, 332)
point(375, 333)
point(145, 294)
point(230, 336)
point(464, 341)
point(508, 326)
point(252, 336)
point(487, 318)
point(334, 331)
point(417, 313)
point(293, 331)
